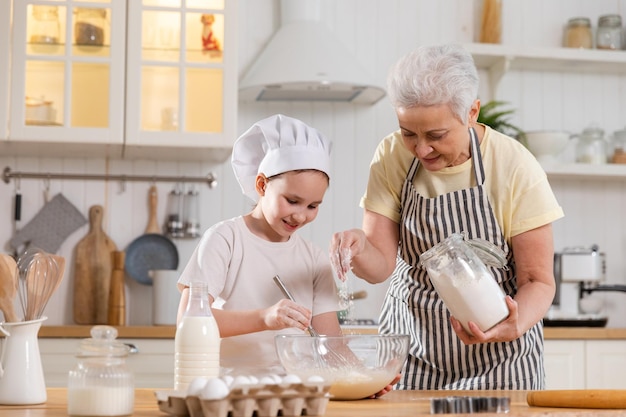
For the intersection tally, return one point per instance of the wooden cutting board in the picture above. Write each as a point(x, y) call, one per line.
point(8, 287)
point(92, 272)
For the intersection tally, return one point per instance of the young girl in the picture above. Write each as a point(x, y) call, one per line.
point(283, 165)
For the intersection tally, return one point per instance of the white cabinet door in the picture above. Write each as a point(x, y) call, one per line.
point(565, 364)
point(64, 90)
point(181, 78)
point(5, 34)
point(152, 365)
point(606, 362)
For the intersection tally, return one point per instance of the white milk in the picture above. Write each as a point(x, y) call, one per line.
point(197, 350)
point(100, 401)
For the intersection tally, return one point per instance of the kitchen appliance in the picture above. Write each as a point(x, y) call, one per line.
point(579, 271)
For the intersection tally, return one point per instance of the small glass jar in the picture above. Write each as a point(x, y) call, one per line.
point(101, 384)
point(619, 147)
point(592, 147)
point(89, 26)
point(578, 33)
point(192, 213)
point(46, 26)
point(609, 32)
point(175, 203)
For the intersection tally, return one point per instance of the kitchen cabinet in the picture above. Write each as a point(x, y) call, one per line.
point(585, 364)
point(497, 59)
point(5, 33)
point(130, 79)
point(152, 365)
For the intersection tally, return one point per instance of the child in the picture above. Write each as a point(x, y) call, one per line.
point(283, 165)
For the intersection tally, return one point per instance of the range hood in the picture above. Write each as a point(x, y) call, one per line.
point(303, 61)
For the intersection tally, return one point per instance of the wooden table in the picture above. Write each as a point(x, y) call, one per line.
point(394, 404)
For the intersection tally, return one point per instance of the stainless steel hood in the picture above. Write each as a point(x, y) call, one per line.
point(303, 61)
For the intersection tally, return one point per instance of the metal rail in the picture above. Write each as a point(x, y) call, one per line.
point(7, 175)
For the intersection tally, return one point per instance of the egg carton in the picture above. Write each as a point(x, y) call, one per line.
point(262, 401)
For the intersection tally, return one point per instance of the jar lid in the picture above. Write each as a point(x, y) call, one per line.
point(610, 20)
point(489, 253)
point(102, 344)
point(579, 21)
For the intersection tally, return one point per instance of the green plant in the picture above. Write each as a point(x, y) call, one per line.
point(497, 118)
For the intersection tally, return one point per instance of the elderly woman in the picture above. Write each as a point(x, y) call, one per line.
point(443, 173)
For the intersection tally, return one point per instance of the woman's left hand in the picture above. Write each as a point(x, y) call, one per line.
point(387, 389)
point(505, 331)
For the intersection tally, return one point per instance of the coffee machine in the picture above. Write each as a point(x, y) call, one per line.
point(579, 271)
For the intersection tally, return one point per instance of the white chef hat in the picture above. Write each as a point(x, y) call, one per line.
point(275, 145)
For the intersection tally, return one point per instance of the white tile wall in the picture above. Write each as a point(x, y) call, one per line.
point(379, 32)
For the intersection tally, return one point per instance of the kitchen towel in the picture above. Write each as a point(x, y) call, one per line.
point(47, 230)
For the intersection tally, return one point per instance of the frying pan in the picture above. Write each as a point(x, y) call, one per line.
point(151, 250)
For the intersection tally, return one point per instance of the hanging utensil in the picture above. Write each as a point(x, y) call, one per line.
point(39, 276)
point(8, 287)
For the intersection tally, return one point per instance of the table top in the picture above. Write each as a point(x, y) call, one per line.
point(394, 404)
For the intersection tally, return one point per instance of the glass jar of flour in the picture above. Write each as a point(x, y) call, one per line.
point(101, 384)
point(460, 277)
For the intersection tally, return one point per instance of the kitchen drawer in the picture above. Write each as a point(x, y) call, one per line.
point(152, 365)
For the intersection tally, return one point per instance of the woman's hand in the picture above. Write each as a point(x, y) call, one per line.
point(343, 247)
point(505, 331)
point(286, 314)
point(387, 389)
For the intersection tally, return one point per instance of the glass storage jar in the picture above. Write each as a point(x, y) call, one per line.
point(592, 146)
point(609, 32)
point(101, 384)
point(46, 26)
point(456, 267)
point(578, 33)
point(89, 26)
point(619, 147)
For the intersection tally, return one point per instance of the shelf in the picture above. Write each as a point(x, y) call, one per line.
point(498, 59)
point(586, 171)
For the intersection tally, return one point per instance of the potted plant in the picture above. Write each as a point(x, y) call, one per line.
point(493, 115)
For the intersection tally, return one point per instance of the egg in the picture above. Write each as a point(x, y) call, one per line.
point(291, 379)
point(228, 379)
point(314, 379)
point(241, 380)
point(267, 380)
point(215, 389)
point(196, 385)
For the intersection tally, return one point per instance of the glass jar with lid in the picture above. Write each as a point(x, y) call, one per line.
point(609, 32)
point(89, 26)
point(619, 147)
point(101, 384)
point(578, 33)
point(46, 26)
point(457, 269)
point(592, 147)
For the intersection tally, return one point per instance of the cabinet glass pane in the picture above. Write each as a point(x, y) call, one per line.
point(159, 98)
point(91, 31)
point(45, 34)
point(204, 100)
point(90, 95)
point(45, 83)
point(162, 3)
point(160, 36)
point(205, 37)
point(206, 4)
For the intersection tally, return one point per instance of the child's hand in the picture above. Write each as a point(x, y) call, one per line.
point(286, 314)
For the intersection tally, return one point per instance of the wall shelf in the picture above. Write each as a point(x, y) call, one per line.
point(574, 171)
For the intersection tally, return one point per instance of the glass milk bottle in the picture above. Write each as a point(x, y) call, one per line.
point(463, 282)
point(197, 340)
point(101, 385)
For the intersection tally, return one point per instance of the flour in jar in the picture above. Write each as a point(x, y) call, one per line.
point(471, 297)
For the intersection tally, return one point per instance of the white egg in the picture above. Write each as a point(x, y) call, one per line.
point(291, 379)
point(241, 380)
point(267, 380)
point(315, 379)
point(228, 379)
point(215, 389)
point(196, 385)
point(253, 380)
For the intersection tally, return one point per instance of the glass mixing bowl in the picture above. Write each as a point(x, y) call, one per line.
point(356, 366)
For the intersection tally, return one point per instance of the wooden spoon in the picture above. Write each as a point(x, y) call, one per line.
point(8, 287)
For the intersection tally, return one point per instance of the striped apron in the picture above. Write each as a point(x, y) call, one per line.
point(437, 357)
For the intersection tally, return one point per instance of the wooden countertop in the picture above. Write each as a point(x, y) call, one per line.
point(168, 332)
point(396, 404)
